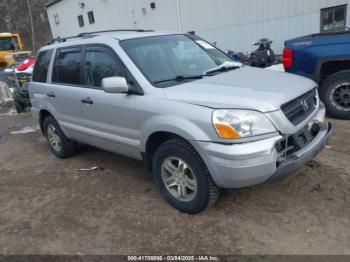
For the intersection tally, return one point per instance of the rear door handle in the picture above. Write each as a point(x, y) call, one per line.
point(87, 101)
point(51, 94)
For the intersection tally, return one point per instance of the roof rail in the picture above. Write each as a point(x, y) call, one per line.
point(120, 30)
point(92, 34)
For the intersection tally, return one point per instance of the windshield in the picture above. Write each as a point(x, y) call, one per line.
point(8, 43)
point(168, 60)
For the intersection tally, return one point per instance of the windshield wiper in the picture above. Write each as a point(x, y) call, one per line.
point(227, 66)
point(179, 79)
point(222, 68)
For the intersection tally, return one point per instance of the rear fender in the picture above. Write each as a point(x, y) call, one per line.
point(317, 76)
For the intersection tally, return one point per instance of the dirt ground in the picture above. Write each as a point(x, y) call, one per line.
point(48, 207)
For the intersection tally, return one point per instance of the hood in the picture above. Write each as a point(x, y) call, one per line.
point(246, 88)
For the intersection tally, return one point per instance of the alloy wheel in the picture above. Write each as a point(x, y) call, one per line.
point(179, 179)
point(53, 137)
point(340, 96)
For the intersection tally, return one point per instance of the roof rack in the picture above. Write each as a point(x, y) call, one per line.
point(92, 34)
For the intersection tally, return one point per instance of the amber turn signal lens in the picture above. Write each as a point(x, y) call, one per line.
point(226, 131)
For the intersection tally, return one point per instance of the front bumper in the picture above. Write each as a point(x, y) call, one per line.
point(249, 164)
point(305, 155)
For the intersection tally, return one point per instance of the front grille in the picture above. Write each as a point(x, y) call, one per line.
point(300, 108)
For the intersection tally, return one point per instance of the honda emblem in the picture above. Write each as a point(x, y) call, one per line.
point(304, 105)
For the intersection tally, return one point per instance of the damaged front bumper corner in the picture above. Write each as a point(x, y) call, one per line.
point(306, 154)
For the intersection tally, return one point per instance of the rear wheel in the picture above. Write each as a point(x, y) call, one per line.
point(253, 60)
point(19, 107)
point(183, 178)
point(60, 145)
point(335, 93)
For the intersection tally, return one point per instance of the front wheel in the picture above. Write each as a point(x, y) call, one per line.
point(183, 178)
point(335, 93)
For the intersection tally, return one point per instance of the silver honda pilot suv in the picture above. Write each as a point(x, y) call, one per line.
point(200, 121)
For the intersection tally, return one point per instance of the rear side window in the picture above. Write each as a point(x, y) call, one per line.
point(66, 69)
point(100, 63)
point(42, 66)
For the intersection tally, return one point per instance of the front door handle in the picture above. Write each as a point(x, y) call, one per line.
point(51, 94)
point(87, 101)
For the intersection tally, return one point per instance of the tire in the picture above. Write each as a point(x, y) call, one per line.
point(334, 89)
point(205, 193)
point(272, 57)
point(61, 146)
point(19, 107)
point(253, 58)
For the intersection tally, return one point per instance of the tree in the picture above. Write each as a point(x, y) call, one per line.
point(28, 18)
point(31, 24)
point(7, 17)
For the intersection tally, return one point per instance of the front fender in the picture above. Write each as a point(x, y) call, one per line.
point(173, 124)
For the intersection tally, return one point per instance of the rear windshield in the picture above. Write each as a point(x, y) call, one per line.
point(42, 66)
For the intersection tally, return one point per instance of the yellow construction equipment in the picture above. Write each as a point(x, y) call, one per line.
point(11, 49)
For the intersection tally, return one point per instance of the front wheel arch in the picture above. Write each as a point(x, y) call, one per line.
point(207, 193)
point(154, 141)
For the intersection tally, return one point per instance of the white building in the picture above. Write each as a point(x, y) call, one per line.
point(232, 24)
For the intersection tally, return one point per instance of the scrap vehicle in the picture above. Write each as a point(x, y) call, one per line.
point(264, 56)
point(200, 121)
point(18, 78)
point(241, 57)
point(324, 58)
point(11, 50)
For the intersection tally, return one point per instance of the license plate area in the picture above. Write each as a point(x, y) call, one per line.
point(296, 142)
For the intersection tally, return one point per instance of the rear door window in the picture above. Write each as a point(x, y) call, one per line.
point(42, 66)
point(67, 66)
point(101, 62)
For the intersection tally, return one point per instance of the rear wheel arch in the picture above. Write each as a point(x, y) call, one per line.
point(42, 116)
point(334, 92)
point(330, 65)
point(60, 145)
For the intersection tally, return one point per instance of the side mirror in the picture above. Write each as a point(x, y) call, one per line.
point(255, 43)
point(115, 84)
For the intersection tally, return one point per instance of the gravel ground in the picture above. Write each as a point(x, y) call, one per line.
point(48, 207)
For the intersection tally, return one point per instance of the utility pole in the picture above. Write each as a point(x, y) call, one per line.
point(31, 25)
point(8, 17)
point(178, 7)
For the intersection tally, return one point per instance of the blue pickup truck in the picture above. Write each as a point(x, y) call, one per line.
point(325, 58)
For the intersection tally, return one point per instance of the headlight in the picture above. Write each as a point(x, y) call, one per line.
point(8, 56)
point(232, 124)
